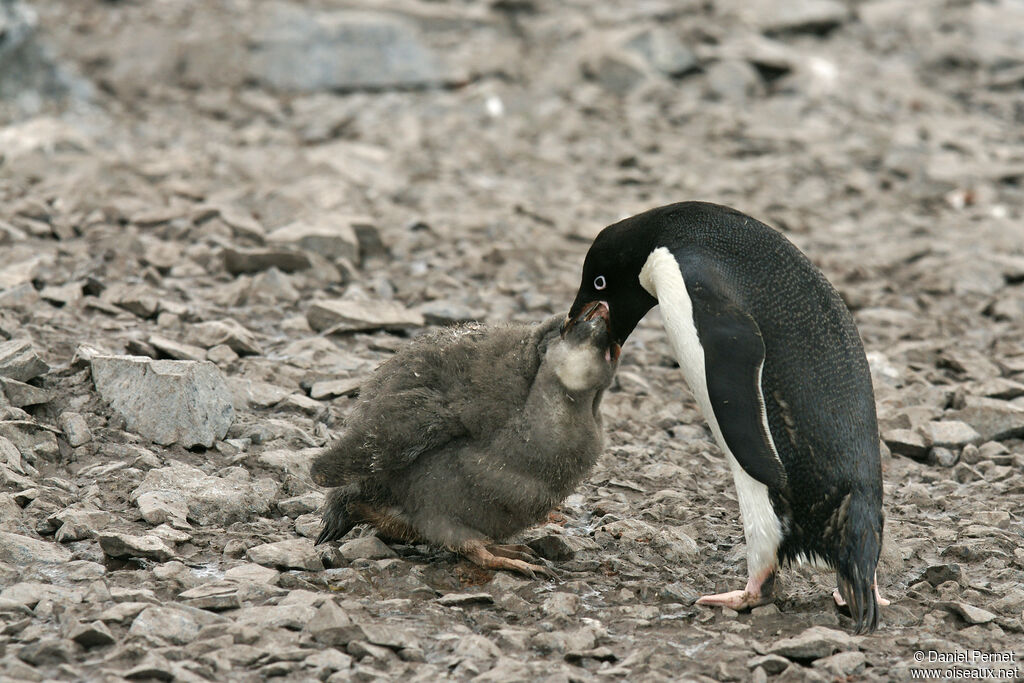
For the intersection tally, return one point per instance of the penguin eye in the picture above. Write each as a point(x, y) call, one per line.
point(599, 282)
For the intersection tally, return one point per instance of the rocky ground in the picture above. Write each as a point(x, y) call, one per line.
point(291, 191)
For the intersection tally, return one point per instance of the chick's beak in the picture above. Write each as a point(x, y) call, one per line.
point(589, 311)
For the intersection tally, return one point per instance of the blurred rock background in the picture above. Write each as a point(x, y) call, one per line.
point(259, 201)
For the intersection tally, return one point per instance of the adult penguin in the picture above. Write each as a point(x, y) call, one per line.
point(773, 359)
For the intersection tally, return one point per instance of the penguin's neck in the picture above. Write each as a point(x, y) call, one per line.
point(663, 280)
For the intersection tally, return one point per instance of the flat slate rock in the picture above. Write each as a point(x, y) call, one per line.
point(460, 599)
point(813, 643)
point(333, 388)
point(296, 553)
point(333, 237)
point(23, 551)
point(126, 545)
point(333, 316)
point(303, 49)
point(166, 401)
point(19, 361)
point(209, 500)
point(240, 261)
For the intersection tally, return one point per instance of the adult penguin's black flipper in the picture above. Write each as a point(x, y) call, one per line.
point(733, 361)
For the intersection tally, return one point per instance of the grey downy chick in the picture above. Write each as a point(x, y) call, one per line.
point(470, 435)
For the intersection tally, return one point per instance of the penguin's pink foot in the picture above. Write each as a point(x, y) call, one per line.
point(882, 602)
point(759, 591)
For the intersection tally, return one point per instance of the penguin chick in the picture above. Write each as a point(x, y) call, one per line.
point(470, 435)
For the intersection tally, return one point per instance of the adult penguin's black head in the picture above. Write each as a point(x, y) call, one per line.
point(611, 275)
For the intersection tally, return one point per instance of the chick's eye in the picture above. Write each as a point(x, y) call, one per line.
point(599, 282)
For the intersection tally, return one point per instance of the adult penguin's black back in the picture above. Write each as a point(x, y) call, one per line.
point(788, 384)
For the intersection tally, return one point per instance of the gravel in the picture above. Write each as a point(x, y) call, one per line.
point(175, 194)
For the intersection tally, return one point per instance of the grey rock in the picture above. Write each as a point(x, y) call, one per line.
point(300, 505)
point(363, 650)
point(241, 261)
point(228, 332)
point(331, 625)
point(308, 525)
point(19, 394)
point(126, 545)
point(367, 548)
point(216, 596)
point(906, 442)
point(174, 349)
point(663, 50)
point(31, 593)
point(843, 664)
point(994, 420)
point(600, 654)
point(166, 623)
point(617, 71)
point(253, 393)
point(950, 434)
point(221, 354)
point(447, 312)
point(799, 16)
point(565, 641)
point(297, 553)
point(163, 507)
point(78, 524)
point(152, 667)
point(970, 613)
point(47, 652)
point(733, 80)
point(303, 49)
point(674, 544)
point(20, 296)
point(389, 636)
point(210, 500)
point(299, 403)
point(34, 441)
point(813, 643)
point(29, 72)
point(94, 634)
point(943, 457)
point(337, 315)
point(76, 429)
point(24, 551)
point(291, 617)
point(461, 599)
point(332, 236)
point(166, 401)
point(476, 648)
point(294, 462)
point(336, 387)
point(252, 573)
point(941, 573)
point(772, 664)
point(553, 547)
point(19, 361)
point(561, 604)
point(326, 661)
point(138, 300)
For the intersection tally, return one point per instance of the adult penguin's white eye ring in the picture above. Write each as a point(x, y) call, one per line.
point(599, 282)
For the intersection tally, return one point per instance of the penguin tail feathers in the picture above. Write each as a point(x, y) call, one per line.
point(859, 546)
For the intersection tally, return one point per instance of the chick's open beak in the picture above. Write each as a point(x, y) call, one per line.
point(589, 311)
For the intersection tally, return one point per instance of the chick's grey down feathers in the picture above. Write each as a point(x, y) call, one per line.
point(441, 387)
point(470, 435)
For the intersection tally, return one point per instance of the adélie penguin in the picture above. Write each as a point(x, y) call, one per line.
point(773, 359)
